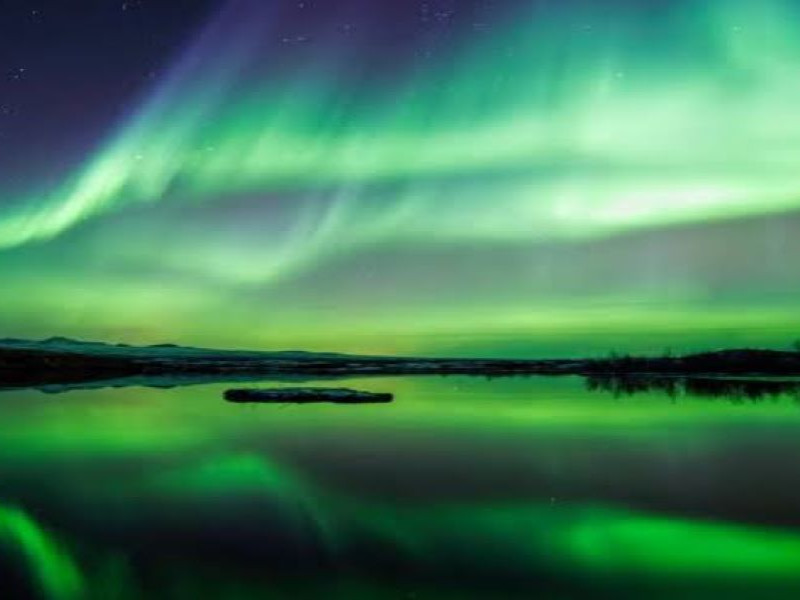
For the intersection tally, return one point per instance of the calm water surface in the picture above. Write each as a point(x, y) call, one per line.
point(461, 488)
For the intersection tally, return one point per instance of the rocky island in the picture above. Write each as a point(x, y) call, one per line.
point(306, 396)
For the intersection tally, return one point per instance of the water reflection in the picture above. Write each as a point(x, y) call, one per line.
point(734, 390)
point(462, 489)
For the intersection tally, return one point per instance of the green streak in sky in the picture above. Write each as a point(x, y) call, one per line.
point(53, 569)
point(561, 124)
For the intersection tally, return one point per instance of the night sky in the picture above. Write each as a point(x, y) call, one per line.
point(469, 177)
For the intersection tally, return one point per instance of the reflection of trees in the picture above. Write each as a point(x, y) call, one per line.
point(736, 390)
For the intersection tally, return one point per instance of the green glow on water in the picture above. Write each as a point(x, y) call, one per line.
point(590, 540)
point(52, 568)
point(492, 479)
point(660, 546)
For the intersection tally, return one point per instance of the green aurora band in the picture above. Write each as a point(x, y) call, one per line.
point(628, 139)
point(565, 124)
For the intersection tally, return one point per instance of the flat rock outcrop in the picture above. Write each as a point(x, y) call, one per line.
point(306, 395)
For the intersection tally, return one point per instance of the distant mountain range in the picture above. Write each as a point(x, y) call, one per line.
point(64, 344)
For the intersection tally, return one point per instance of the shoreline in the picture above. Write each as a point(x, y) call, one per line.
point(61, 362)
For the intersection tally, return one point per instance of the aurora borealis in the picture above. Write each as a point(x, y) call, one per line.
point(486, 178)
point(459, 177)
point(507, 178)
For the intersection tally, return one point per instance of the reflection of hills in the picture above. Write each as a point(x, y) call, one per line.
point(705, 387)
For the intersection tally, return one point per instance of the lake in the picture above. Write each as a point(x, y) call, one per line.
point(461, 488)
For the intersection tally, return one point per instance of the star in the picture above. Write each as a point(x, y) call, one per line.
point(17, 73)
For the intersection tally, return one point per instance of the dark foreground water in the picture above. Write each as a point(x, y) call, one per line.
point(462, 488)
